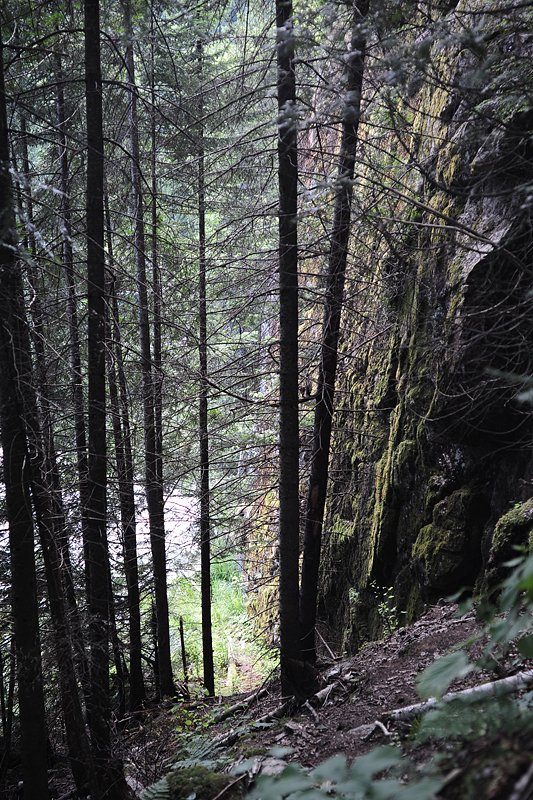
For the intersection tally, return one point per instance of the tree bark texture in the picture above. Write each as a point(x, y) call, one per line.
point(76, 389)
point(157, 287)
point(205, 532)
point(7, 712)
point(124, 458)
point(14, 354)
point(154, 487)
point(288, 353)
point(98, 601)
point(324, 408)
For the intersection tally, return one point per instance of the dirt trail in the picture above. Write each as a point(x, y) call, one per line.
point(380, 678)
point(358, 691)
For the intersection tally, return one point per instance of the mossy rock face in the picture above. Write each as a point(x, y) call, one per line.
point(429, 450)
point(446, 553)
point(409, 599)
point(198, 781)
point(514, 528)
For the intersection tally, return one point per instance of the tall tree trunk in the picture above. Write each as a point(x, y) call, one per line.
point(288, 353)
point(50, 518)
point(157, 288)
point(122, 436)
point(2, 695)
point(154, 486)
point(98, 589)
point(338, 254)
point(72, 312)
point(76, 389)
point(14, 357)
point(205, 532)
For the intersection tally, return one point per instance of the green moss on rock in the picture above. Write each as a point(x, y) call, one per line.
point(421, 474)
point(514, 528)
point(198, 781)
point(444, 549)
point(415, 606)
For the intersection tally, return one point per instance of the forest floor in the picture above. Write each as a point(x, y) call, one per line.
point(357, 692)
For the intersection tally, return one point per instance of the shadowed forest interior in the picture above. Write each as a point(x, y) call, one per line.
point(266, 345)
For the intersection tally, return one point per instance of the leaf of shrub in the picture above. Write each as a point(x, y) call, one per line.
point(436, 678)
point(292, 779)
point(525, 646)
point(334, 769)
point(378, 759)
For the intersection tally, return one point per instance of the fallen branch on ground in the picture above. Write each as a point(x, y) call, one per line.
point(228, 712)
point(231, 737)
point(503, 686)
point(68, 795)
point(320, 697)
point(276, 714)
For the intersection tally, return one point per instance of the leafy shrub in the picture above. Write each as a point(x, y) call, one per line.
point(335, 778)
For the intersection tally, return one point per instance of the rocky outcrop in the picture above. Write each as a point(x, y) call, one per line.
point(432, 447)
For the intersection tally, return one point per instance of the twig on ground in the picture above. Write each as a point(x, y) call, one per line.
point(312, 711)
point(226, 788)
point(68, 795)
point(232, 736)
point(381, 726)
point(276, 714)
point(326, 645)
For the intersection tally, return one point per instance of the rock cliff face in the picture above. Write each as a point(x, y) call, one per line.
point(432, 447)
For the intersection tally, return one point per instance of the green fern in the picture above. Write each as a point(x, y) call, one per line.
point(195, 751)
point(157, 791)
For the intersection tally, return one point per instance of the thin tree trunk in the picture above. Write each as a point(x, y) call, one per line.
point(157, 286)
point(288, 353)
point(183, 653)
point(2, 695)
point(51, 521)
point(123, 453)
point(154, 486)
point(98, 600)
point(77, 392)
point(121, 672)
point(72, 312)
point(318, 479)
point(14, 354)
point(205, 533)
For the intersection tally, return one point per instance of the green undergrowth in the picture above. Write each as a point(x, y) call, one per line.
point(238, 655)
